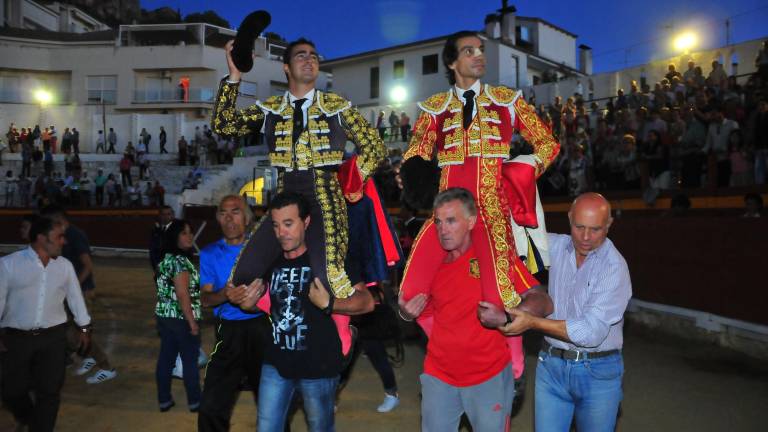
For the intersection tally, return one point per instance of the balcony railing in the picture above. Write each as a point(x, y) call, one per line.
point(196, 94)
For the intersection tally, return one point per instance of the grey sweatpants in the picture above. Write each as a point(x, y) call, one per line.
point(488, 404)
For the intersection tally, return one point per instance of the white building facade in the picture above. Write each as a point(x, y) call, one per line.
point(134, 77)
point(518, 50)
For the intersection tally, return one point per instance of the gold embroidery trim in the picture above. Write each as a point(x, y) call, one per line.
point(533, 130)
point(498, 230)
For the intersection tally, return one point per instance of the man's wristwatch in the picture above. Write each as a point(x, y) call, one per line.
point(86, 328)
point(329, 309)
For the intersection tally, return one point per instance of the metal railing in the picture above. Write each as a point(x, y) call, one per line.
point(196, 94)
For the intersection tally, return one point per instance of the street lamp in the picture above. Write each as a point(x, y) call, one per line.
point(43, 97)
point(684, 42)
point(398, 94)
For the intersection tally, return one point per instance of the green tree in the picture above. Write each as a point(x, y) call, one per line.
point(209, 17)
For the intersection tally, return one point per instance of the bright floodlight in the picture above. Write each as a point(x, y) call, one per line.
point(44, 97)
point(684, 42)
point(398, 94)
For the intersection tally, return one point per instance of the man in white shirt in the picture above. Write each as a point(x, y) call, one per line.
point(718, 137)
point(34, 283)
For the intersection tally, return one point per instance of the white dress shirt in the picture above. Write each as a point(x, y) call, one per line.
point(310, 96)
point(32, 295)
point(476, 87)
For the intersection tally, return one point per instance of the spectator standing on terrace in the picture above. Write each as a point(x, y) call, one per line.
point(717, 76)
point(24, 187)
point(130, 150)
point(99, 183)
point(690, 74)
point(53, 137)
point(75, 140)
point(140, 148)
point(125, 170)
point(405, 126)
point(66, 141)
point(145, 138)
point(111, 140)
point(716, 146)
point(380, 125)
point(672, 73)
point(183, 146)
point(100, 142)
point(394, 126)
point(163, 137)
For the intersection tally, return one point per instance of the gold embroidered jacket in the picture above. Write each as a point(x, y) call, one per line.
point(331, 122)
point(500, 111)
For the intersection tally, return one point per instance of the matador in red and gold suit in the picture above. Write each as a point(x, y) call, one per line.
point(477, 157)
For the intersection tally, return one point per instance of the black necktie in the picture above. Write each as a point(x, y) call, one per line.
point(298, 118)
point(469, 106)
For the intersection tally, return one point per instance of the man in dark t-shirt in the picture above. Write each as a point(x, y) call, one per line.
point(305, 353)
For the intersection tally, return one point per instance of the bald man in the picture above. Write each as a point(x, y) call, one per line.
point(580, 364)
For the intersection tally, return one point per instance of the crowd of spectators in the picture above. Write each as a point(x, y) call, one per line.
point(79, 189)
point(688, 130)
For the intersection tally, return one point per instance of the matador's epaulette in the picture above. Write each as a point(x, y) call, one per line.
point(502, 95)
point(274, 104)
point(437, 103)
point(331, 103)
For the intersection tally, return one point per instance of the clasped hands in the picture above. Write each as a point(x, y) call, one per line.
point(246, 296)
point(512, 323)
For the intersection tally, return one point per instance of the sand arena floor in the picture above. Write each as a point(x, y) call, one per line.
point(670, 384)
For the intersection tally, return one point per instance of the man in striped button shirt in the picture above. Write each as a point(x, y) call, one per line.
point(580, 365)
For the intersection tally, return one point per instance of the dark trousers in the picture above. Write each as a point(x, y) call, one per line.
point(723, 173)
point(377, 354)
point(263, 248)
point(99, 195)
point(238, 354)
point(404, 132)
point(176, 339)
point(126, 178)
point(34, 363)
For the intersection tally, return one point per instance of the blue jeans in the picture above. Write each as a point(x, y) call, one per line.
point(588, 389)
point(175, 339)
point(276, 394)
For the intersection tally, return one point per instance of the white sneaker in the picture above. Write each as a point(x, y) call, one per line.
point(101, 376)
point(202, 359)
point(86, 366)
point(390, 403)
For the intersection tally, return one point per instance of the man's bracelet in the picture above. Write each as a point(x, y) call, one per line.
point(86, 328)
point(329, 309)
point(399, 312)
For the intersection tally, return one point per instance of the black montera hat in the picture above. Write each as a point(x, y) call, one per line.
point(249, 30)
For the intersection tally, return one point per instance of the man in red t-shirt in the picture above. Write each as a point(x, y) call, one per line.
point(467, 368)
